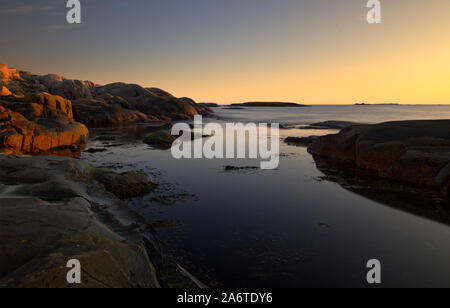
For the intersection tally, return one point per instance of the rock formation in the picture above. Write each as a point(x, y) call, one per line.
point(54, 210)
point(43, 115)
point(108, 105)
point(40, 124)
point(412, 152)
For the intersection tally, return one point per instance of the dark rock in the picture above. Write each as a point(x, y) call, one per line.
point(303, 141)
point(106, 113)
point(94, 150)
point(234, 168)
point(413, 152)
point(125, 185)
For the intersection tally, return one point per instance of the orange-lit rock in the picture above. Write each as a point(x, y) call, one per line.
point(4, 72)
point(4, 91)
point(48, 130)
point(37, 97)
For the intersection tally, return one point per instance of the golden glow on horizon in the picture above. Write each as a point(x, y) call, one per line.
point(405, 60)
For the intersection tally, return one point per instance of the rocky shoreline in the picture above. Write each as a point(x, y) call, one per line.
point(57, 208)
point(50, 115)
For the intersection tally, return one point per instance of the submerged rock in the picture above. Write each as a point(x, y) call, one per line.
point(125, 185)
point(413, 152)
point(235, 168)
point(160, 139)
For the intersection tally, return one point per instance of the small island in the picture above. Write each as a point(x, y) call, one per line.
point(268, 104)
point(385, 104)
point(211, 105)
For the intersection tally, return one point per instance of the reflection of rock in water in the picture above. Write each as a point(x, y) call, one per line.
point(418, 201)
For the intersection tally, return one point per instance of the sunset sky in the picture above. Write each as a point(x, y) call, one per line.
point(225, 51)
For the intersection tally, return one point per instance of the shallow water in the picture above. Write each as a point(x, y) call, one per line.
point(288, 227)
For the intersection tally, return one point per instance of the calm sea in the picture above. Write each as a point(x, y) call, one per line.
point(290, 227)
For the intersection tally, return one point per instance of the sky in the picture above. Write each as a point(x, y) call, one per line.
point(228, 51)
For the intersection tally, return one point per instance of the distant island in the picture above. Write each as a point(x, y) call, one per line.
point(385, 104)
point(268, 104)
point(208, 104)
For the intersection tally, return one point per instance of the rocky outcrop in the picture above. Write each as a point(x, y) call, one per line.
point(152, 102)
point(40, 124)
point(52, 210)
point(43, 115)
point(70, 89)
point(8, 74)
point(412, 152)
point(107, 113)
point(96, 105)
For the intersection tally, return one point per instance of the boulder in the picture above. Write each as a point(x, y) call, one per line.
point(125, 185)
point(56, 136)
point(37, 106)
point(413, 152)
